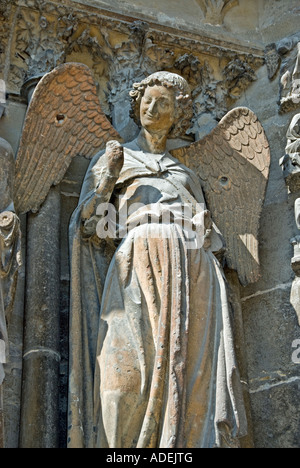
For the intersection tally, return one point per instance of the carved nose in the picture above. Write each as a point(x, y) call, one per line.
point(152, 108)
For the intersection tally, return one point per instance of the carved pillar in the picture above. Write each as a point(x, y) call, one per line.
point(39, 416)
point(41, 358)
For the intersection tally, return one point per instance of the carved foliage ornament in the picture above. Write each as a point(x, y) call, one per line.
point(215, 10)
point(119, 53)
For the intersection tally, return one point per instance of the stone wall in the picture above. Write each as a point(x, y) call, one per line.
point(222, 54)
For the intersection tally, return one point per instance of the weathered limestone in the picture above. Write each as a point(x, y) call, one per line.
point(39, 409)
point(290, 163)
point(122, 42)
point(109, 281)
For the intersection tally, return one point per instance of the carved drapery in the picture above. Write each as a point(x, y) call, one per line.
point(295, 263)
point(290, 164)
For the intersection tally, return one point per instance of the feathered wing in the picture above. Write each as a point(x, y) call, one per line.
point(233, 164)
point(64, 119)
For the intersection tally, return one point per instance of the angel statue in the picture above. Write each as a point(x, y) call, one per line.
point(10, 248)
point(152, 358)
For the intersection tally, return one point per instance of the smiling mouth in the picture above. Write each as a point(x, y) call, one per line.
point(150, 116)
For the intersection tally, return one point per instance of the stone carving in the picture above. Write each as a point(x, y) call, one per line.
point(215, 10)
point(290, 162)
point(9, 247)
point(238, 75)
point(272, 59)
point(47, 34)
point(150, 325)
point(38, 47)
point(239, 142)
point(285, 56)
point(295, 241)
point(290, 84)
point(118, 52)
point(4, 7)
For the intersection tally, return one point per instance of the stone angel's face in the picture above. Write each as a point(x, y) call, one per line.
point(158, 109)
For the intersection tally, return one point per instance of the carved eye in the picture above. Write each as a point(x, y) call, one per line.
point(60, 118)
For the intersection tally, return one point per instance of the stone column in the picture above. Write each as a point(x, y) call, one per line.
point(234, 289)
point(39, 410)
point(39, 426)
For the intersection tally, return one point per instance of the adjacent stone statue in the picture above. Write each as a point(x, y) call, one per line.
point(290, 80)
point(10, 251)
point(290, 162)
point(152, 359)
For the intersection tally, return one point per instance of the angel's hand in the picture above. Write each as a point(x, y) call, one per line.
point(115, 158)
point(114, 155)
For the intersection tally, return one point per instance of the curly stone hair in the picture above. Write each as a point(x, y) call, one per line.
point(184, 105)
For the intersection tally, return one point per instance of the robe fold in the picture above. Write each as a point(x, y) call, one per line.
point(152, 361)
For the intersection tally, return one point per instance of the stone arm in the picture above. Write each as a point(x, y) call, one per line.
point(114, 156)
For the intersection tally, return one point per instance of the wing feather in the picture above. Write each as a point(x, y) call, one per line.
point(233, 164)
point(64, 119)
